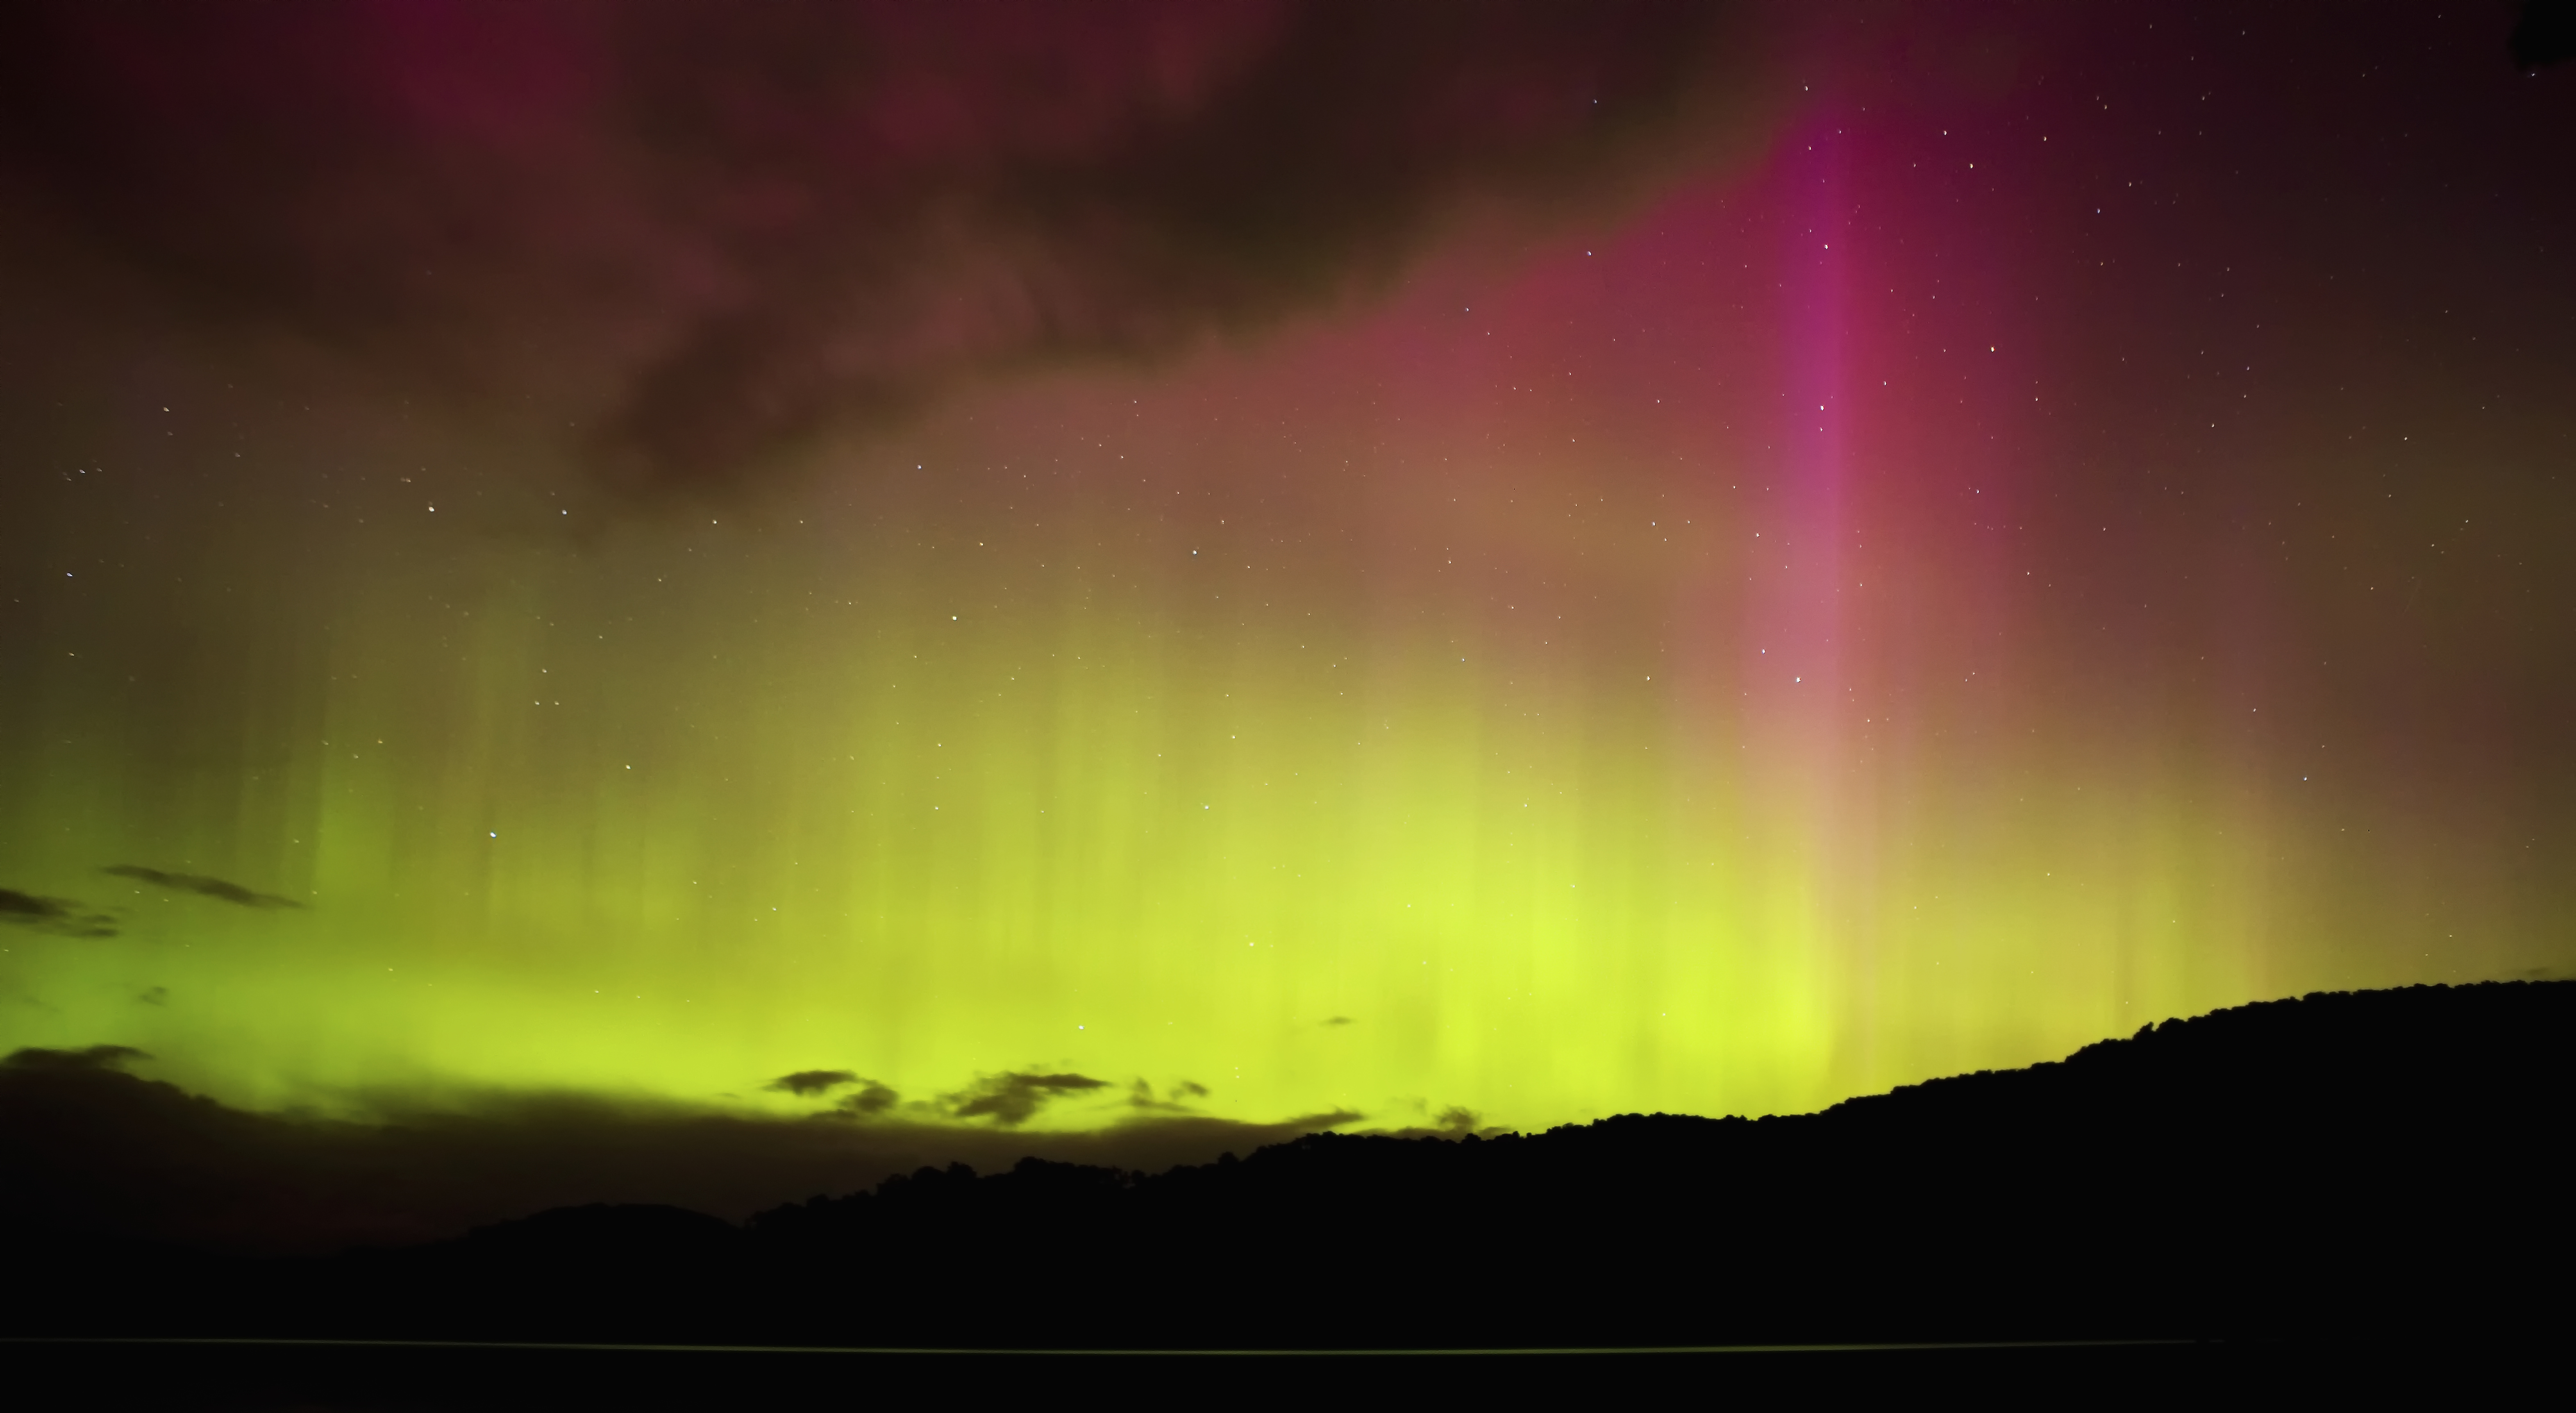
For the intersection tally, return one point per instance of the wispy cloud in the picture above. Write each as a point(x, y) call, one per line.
point(811, 1081)
point(1014, 1097)
point(218, 889)
point(1173, 1100)
point(872, 1099)
point(1317, 1123)
point(1458, 1118)
point(60, 916)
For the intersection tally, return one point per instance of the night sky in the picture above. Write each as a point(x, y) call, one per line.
point(1047, 569)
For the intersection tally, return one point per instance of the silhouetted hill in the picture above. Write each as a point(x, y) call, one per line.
point(2387, 1162)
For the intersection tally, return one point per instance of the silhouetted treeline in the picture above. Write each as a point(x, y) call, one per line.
point(2344, 1164)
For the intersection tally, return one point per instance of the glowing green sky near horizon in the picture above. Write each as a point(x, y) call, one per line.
point(1508, 697)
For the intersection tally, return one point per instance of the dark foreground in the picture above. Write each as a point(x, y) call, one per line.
point(2328, 1182)
point(369, 1378)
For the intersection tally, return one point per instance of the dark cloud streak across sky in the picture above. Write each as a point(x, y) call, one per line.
point(60, 916)
point(709, 232)
point(811, 1081)
point(1013, 1098)
point(221, 890)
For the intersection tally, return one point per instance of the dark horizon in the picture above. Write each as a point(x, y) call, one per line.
point(2337, 1191)
point(2247, 1084)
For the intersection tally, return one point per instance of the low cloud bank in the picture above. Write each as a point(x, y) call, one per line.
point(86, 1145)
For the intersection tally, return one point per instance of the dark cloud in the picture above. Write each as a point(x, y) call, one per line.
point(1174, 1100)
point(717, 229)
point(15, 904)
point(1457, 1118)
point(154, 996)
point(94, 1058)
point(872, 1099)
point(91, 1147)
point(1337, 1020)
point(1014, 1097)
point(811, 1081)
point(60, 916)
point(200, 884)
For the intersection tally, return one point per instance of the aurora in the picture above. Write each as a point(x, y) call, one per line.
point(1895, 554)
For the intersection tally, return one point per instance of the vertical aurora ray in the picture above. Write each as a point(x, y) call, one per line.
point(1800, 619)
